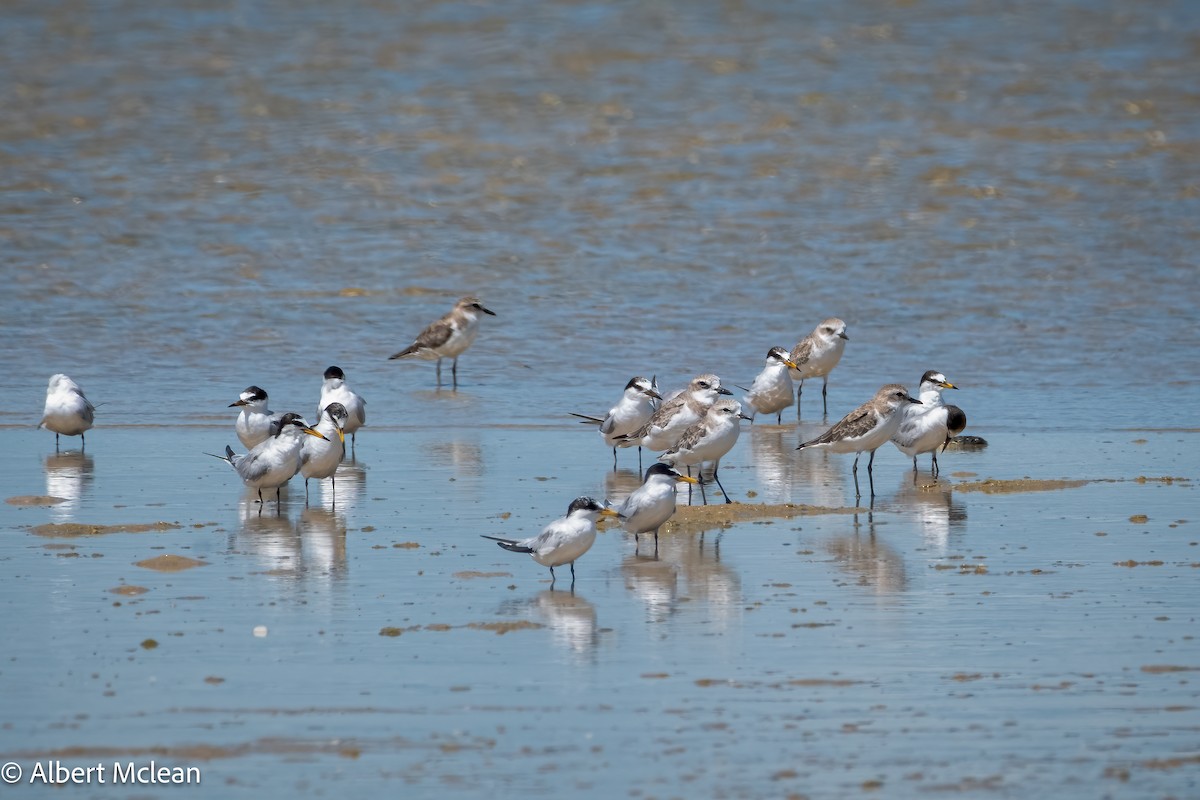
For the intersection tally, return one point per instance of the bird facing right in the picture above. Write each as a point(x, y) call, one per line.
point(650, 505)
point(448, 337)
point(67, 411)
point(816, 355)
point(771, 391)
point(931, 425)
point(563, 540)
point(710, 439)
point(866, 428)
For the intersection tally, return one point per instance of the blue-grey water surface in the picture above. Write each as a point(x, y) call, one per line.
point(201, 196)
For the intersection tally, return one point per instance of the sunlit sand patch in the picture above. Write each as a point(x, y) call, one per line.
point(170, 563)
point(1018, 485)
point(129, 590)
point(73, 529)
point(696, 518)
point(35, 500)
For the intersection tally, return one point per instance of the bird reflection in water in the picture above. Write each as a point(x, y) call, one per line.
point(322, 543)
point(711, 587)
point(569, 616)
point(933, 506)
point(782, 478)
point(873, 563)
point(307, 551)
point(347, 486)
point(69, 475)
point(464, 457)
point(271, 539)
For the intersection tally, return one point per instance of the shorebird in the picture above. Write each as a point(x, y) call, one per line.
point(865, 428)
point(771, 391)
point(931, 425)
point(335, 390)
point(275, 461)
point(320, 457)
point(816, 355)
point(638, 402)
point(448, 337)
point(708, 440)
point(255, 424)
point(67, 412)
point(673, 417)
point(563, 540)
point(650, 505)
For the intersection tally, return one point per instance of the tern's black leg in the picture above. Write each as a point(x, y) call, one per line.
point(637, 541)
point(937, 470)
point(333, 493)
point(639, 459)
point(56, 442)
point(614, 459)
point(572, 573)
point(82, 442)
point(718, 480)
point(260, 496)
point(689, 473)
point(703, 496)
point(799, 391)
point(306, 492)
point(824, 395)
point(552, 577)
point(779, 418)
point(656, 541)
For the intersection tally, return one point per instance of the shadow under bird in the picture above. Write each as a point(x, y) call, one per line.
point(321, 456)
point(771, 391)
point(710, 439)
point(67, 412)
point(866, 428)
point(650, 505)
point(637, 404)
point(274, 462)
point(255, 424)
point(448, 337)
point(930, 426)
point(816, 355)
point(563, 540)
point(335, 390)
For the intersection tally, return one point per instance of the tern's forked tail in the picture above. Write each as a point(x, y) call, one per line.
point(508, 544)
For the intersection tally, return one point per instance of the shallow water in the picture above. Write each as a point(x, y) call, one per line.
point(198, 198)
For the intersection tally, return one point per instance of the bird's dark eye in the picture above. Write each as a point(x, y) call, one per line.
point(703, 385)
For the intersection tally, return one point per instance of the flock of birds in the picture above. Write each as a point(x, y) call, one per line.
point(694, 427)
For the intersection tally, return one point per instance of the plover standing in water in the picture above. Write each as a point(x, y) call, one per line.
point(866, 428)
point(448, 337)
point(710, 439)
point(816, 355)
point(673, 417)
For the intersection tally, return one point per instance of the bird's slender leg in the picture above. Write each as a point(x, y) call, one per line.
point(716, 467)
point(824, 395)
point(572, 573)
point(799, 391)
point(552, 578)
point(656, 541)
point(454, 371)
point(871, 474)
point(703, 496)
point(937, 470)
point(779, 418)
point(854, 471)
point(439, 372)
point(637, 542)
point(689, 473)
point(260, 496)
point(306, 492)
point(614, 459)
point(639, 459)
point(82, 442)
point(56, 442)
point(278, 498)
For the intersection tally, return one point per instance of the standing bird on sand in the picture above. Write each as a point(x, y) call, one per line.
point(636, 406)
point(67, 411)
point(650, 505)
point(335, 390)
point(771, 391)
point(448, 337)
point(673, 417)
point(255, 424)
point(319, 457)
point(275, 461)
point(816, 355)
point(710, 439)
point(866, 428)
point(564, 540)
point(931, 425)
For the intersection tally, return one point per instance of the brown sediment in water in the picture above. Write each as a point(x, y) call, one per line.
point(696, 518)
point(35, 500)
point(501, 628)
point(65, 530)
point(1017, 486)
point(129, 590)
point(170, 563)
point(1162, 669)
point(470, 573)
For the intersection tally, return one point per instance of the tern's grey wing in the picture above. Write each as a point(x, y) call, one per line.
point(608, 424)
point(89, 410)
point(252, 466)
point(359, 411)
point(802, 352)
